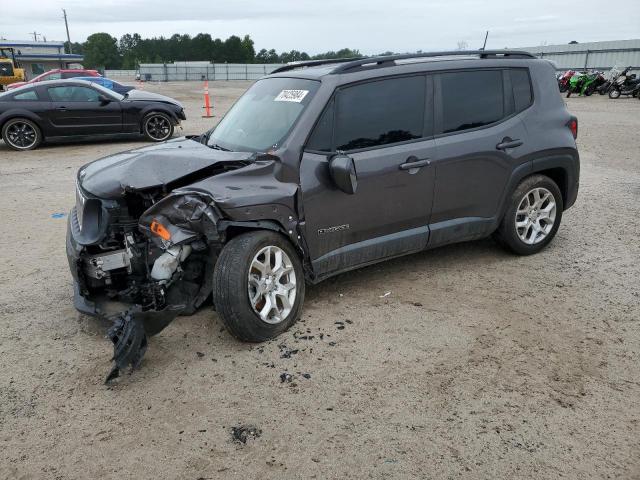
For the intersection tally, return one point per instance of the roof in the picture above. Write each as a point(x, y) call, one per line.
point(49, 56)
point(319, 68)
point(581, 47)
point(29, 43)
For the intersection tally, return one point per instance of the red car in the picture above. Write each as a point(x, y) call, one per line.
point(57, 74)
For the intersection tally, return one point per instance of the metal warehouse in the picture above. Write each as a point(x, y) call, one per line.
point(591, 55)
point(39, 57)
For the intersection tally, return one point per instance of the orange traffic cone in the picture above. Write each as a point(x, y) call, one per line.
point(207, 101)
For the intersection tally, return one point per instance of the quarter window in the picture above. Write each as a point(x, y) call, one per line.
point(521, 88)
point(380, 113)
point(73, 94)
point(322, 137)
point(30, 95)
point(471, 99)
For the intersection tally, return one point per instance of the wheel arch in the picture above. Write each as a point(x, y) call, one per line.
point(13, 114)
point(156, 109)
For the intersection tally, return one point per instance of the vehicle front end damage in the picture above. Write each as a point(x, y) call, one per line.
point(143, 252)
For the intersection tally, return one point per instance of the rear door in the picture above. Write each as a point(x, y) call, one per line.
point(480, 141)
point(384, 125)
point(77, 110)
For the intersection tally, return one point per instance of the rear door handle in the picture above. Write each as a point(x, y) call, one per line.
point(415, 162)
point(62, 109)
point(508, 143)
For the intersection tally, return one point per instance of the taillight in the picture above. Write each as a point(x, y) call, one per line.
point(573, 126)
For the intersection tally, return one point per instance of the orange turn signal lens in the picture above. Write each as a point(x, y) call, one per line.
point(160, 230)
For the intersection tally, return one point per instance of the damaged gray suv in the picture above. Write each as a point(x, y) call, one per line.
point(319, 168)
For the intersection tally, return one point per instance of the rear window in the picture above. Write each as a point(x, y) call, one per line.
point(471, 99)
point(521, 84)
point(380, 113)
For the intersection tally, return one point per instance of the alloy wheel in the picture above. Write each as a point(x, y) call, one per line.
point(272, 284)
point(158, 127)
point(21, 135)
point(535, 216)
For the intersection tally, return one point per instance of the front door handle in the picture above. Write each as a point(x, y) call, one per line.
point(62, 109)
point(508, 143)
point(415, 162)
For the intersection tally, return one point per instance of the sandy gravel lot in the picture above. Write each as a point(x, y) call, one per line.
point(478, 364)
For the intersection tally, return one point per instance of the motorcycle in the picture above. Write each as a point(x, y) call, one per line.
point(625, 84)
point(611, 77)
point(585, 83)
point(563, 80)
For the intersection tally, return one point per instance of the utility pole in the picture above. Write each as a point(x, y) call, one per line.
point(66, 24)
point(35, 35)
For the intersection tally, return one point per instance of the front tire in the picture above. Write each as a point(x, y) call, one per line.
point(21, 134)
point(614, 93)
point(258, 285)
point(532, 217)
point(157, 127)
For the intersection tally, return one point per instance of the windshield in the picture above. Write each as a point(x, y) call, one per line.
point(263, 117)
point(107, 92)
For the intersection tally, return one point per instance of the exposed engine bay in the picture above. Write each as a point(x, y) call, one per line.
point(142, 248)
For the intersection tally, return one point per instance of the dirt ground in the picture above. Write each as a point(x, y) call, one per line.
point(477, 364)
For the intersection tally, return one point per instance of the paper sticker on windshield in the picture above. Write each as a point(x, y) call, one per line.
point(291, 96)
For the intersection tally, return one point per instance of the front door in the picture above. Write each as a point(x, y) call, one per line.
point(77, 110)
point(386, 127)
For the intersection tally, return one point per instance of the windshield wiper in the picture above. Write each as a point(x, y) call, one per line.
point(215, 146)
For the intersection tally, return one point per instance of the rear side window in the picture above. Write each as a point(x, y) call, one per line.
point(521, 84)
point(30, 95)
point(380, 113)
point(471, 99)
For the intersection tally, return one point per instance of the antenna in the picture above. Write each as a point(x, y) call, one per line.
point(66, 24)
point(485, 40)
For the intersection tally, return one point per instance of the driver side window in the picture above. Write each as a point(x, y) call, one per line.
point(73, 94)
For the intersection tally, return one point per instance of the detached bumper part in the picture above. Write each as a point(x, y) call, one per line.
point(129, 335)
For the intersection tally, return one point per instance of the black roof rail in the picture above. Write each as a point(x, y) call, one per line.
point(388, 60)
point(314, 63)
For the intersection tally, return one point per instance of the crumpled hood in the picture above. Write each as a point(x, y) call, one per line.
point(152, 166)
point(135, 95)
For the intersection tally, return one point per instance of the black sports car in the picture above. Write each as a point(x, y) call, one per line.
point(71, 108)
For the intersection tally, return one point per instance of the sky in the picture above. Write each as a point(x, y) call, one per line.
point(315, 26)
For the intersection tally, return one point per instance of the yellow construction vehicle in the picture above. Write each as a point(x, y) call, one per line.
point(10, 71)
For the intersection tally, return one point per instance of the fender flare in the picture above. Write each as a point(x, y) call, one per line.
point(566, 160)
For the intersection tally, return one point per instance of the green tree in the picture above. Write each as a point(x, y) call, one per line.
point(76, 48)
point(101, 51)
point(248, 52)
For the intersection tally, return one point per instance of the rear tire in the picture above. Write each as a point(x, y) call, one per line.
point(532, 217)
point(157, 127)
point(21, 134)
point(258, 285)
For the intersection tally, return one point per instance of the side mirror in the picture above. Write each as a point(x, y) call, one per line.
point(104, 99)
point(343, 173)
